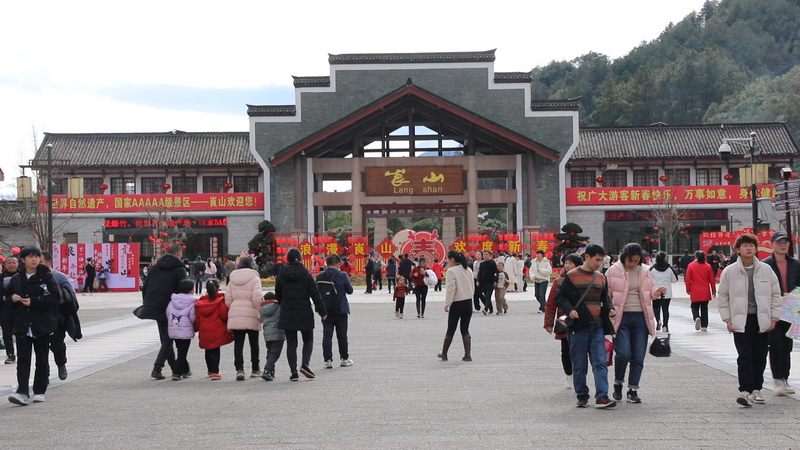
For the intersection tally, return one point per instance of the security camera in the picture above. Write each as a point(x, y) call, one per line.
point(786, 173)
point(725, 152)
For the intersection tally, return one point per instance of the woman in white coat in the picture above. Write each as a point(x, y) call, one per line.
point(663, 276)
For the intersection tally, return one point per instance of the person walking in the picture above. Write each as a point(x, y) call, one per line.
point(273, 336)
point(212, 326)
point(293, 289)
point(750, 305)
point(458, 292)
point(336, 320)
point(199, 268)
point(6, 316)
point(510, 266)
point(476, 265)
point(90, 271)
point(787, 269)
point(552, 313)
point(663, 276)
point(211, 269)
point(399, 297)
point(714, 260)
point(420, 288)
point(32, 298)
point(701, 285)
point(487, 281)
point(68, 322)
point(243, 300)
point(540, 275)
point(404, 269)
point(230, 266)
point(437, 269)
point(503, 284)
point(685, 260)
point(391, 273)
point(161, 282)
point(631, 288)
point(369, 270)
point(103, 274)
point(181, 318)
point(583, 296)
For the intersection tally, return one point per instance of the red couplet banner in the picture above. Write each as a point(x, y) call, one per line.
point(121, 259)
point(653, 195)
point(158, 202)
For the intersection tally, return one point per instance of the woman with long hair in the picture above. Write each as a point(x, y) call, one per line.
point(552, 312)
point(420, 288)
point(243, 300)
point(663, 276)
point(457, 304)
point(701, 287)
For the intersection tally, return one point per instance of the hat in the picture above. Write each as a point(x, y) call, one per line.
point(779, 235)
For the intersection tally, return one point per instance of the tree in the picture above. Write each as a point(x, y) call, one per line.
point(571, 238)
point(262, 243)
point(668, 222)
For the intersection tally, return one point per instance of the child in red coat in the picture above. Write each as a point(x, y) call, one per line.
point(211, 322)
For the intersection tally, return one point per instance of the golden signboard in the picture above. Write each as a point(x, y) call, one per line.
point(415, 180)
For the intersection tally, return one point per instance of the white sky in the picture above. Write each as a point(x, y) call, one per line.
point(149, 66)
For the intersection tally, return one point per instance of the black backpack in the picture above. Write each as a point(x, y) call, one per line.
point(327, 290)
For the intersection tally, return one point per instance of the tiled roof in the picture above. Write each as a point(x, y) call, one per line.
point(312, 81)
point(513, 77)
point(681, 141)
point(171, 149)
point(271, 110)
point(573, 104)
point(411, 58)
point(15, 213)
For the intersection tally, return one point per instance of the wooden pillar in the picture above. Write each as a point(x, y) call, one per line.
point(298, 192)
point(472, 188)
point(531, 189)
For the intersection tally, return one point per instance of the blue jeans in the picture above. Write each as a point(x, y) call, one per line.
point(590, 340)
point(630, 346)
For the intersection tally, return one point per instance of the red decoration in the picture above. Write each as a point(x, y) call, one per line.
point(688, 225)
point(793, 176)
point(655, 228)
point(682, 232)
point(728, 177)
point(664, 179)
point(228, 186)
point(103, 188)
point(15, 250)
point(166, 186)
point(42, 187)
point(600, 180)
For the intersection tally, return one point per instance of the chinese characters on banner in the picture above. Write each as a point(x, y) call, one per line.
point(157, 202)
point(660, 194)
point(414, 180)
point(709, 239)
point(122, 260)
point(423, 243)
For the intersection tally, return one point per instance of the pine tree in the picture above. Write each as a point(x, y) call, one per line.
point(570, 237)
point(262, 243)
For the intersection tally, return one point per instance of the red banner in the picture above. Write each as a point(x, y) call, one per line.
point(653, 195)
point(122, 260)
point(158, 202)
point(709, 239)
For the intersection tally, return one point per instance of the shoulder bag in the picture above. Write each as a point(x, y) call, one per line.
point(580, 300)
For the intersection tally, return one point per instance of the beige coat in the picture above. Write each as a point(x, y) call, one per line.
point(540, 271)
point(732, 295)
point(243, 300)
point(459, 286)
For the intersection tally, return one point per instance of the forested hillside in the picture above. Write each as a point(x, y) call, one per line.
point(732, 61)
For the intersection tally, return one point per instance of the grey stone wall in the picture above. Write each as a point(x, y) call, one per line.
point(240, 230)
point(283, 197)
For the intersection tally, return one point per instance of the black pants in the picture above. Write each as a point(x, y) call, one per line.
point(368, 280)
point(780, 351)
point(26, 346)
point(399, 304)
point(212, 360)
point(460, 312)
point(291, 348)
point(390, 283)
point(700, 309)
point(199, 280)
point(566, 362)
point(274, 349)
point(486, 296)
point(337, 323)
point(89, 285)
point(662, 304)
point(540, 291)
point(524, 284)
point(752, 348)
point(421, 292)
point(181, 364)
point(378, 279)
point(57, 345)
point(476, 297)
point(7, 324)
point(166, 353)
point(438, 286)
point(238, 349)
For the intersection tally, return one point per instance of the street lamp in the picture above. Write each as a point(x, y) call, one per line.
point(752, 151)
point(49, 197)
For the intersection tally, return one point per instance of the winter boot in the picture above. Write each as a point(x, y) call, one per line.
point(467, 347)
point(446, 346)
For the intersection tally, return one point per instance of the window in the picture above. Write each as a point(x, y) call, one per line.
point(152, 185)
point(60, 186)
point(184, 185)
point(709, 177)
point(245, 184)
point(70, 238)
point(214, 185)
point(91, 186)
point(677, 177)
point(645, 177)
point(615, 178)
point(585, 178)
point(123, 186)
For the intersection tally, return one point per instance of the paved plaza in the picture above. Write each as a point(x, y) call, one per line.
point(397, 394)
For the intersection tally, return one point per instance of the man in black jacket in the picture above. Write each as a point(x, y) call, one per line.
point(369, 268)
point(32, 297)
point(90, 271)
point(686, 259)
point(406, 264)
point(6, 319)
point(161, 282)
point(487, 281)
point(780, 347)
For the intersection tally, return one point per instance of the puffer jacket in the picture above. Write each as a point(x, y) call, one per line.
point(181, 316)
point(159, 285)
point(700, 282)
point(212, 322)
point(41, 317)
point(732, 298)
point(293, 288)
point(664, 278)
point(270, 315)
point(243, 300)
point(618, 285)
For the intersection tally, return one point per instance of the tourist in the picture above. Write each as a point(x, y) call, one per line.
point(476, 265)
point(685, 260)
point(458, 292)
point(32, 299)
point(787, 269)
point(399, 297)
point(521, 273)
point(552, 313)
point(701, 287)
point(103, 274)
point(370, 268)
point(273, 336)
point(293, 289)
point(713, 259)
point(211, 269)
point(503, 284)
point(212, 326)
point(437, 269)
point(90, 272)
point(487, 281)
point(337, 320)
point(391, 273)
point(243, 300)
point(663, 276)
point(750, 305)
point(199, 274)
point(230, 266)
point(540, 275)
point(181, 322)
point(420, 288)
point(631, 288)
point(404, 269)
point(6, 317)
point(510, 265)
point(68, 322)
point(583, 296)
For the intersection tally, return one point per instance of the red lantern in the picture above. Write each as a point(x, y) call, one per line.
point(728, 177)
point(600, 180)
point(688, 225)
point(15, 250)
point(647, 238)
point(682, 232)
point(793, 176)
point(664, 179)
point(228, 186)
point(103, 188)
point(655, 228)
point(166, 186)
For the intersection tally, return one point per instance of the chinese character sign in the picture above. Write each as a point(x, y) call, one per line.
point(423, 243)
point(640, 195)
point(157, 202)
point(122, 260)
point(414, 180)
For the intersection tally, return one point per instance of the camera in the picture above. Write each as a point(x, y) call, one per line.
point(786, 173)
point(725, 152)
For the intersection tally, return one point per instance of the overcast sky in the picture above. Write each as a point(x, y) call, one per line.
point(153, 66)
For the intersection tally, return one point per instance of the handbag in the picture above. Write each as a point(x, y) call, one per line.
point(560, 326)
point(660, 347)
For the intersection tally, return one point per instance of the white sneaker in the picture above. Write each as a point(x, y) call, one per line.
point(745, 399)
point(703, 329)
point(757, 398)
point(789, 388)
point(329, 364)
point(38, 398)
point(568, 382)
point(346, 362)
point(18, 399)
point(779, 387)
point(697, 324)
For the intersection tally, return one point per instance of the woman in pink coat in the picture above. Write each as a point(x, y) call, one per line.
point(243, 300)
point(701, 287)
point(631, 288)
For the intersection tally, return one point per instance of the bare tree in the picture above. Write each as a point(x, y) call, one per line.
point(668, 216)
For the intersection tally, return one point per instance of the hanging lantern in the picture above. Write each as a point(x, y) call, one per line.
point(75, 187)
point(600, 180)
point(103, 188)
point(166, 187)
point(655, 228)
point(24, 190)
point(664, 179)
point(647, 238)
point(682, 232)
point(728, 177)
point(688, 225)
point(228, 186)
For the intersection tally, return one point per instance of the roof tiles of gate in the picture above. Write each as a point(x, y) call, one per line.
point(170, 149)
point(670, 142)
point(411, 58)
